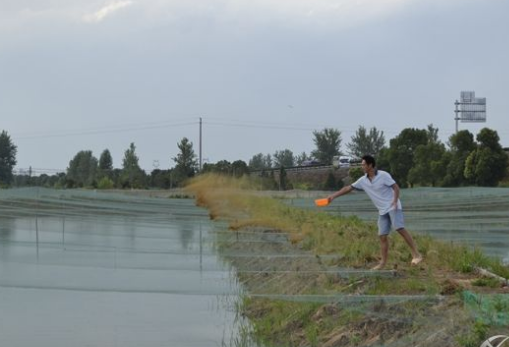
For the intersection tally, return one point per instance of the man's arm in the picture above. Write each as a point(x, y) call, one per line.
point(395, 187)
point(342, 191)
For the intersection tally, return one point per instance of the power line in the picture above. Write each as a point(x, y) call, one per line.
point(212, 121)
point(306, 126)
point(106, 130)
point(260, 126)
point(228, 122)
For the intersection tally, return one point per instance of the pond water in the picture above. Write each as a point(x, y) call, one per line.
point(95, 269)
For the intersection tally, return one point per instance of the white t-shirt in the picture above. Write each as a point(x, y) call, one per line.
point(379, 190)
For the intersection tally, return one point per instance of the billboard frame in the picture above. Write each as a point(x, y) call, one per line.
point(472, 109)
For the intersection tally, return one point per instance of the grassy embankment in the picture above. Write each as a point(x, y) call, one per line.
point(447, 271)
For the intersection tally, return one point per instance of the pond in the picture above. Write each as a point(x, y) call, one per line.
point(84, 268)
point(103, 269)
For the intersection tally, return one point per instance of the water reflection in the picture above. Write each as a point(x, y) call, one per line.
point(134, 276)
point(186, 233)
point(6, 227)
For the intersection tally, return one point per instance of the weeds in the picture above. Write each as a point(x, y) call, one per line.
point(477, 334)
point(486, 282)
point(283, 323)
point(326, 234)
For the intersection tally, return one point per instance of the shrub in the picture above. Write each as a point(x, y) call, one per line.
point(105, 183)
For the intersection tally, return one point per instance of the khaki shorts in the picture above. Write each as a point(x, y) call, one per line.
point(392, 218)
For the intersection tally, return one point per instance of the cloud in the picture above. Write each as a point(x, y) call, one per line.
point(208, 14)
point(331, 12)
point(327, 7)
point(259, 13)
point(106, 11)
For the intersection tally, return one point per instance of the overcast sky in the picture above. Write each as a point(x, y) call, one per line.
point(263, 74)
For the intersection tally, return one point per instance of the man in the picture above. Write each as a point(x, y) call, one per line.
point(384, 192)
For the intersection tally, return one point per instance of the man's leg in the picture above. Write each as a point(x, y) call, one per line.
point(384, 228)
point(398, 222)
point(416, 256)
point(384, 250)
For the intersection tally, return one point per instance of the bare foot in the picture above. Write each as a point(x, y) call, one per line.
point(416, 260)
point(378, 267)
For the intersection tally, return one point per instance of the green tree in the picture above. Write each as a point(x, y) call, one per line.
point(106, 161)
point(59, 180)
point(382, 160)
point(432, 134)
point(257, 162)
point(105, 164)
point(208, 167)
point(283, 179)
point(186, 164)
point(366, 143)
point(429, 165)
point(355, 173)
point(160, 179)
point(487, 164)
point(105, 183)
point(331, 183)
point(284, 158)
point(7, 158)
point(328, 144)
point(240, 168)
point(267, 161)
point(260, 162)
point(401, 153)
point(82, 170)
point(461, 145)
point(132, 175)
point(223, 167)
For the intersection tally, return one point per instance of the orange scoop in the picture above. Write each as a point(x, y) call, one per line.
point(322, 202)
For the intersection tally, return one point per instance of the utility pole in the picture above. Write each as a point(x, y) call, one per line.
point(456, 114)
point(200, 164)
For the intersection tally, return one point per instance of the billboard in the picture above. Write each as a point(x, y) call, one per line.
point(472, 109)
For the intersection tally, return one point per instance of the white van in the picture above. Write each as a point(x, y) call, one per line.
point(344, 161)
point(341, 161)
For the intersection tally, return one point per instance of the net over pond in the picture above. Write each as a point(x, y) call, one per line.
point(473, 215)
point(89, 268)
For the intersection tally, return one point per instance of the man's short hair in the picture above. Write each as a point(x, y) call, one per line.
point(369, 160)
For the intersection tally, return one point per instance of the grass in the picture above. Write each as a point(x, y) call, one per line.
point(478, 334)
point(486, 282)
point(236, 201)
point(305, 320)
point(283, 323)
point(413, 285)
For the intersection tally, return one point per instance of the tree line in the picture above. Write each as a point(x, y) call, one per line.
point(327, 146)
point(415, 157)
point(87, 171)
